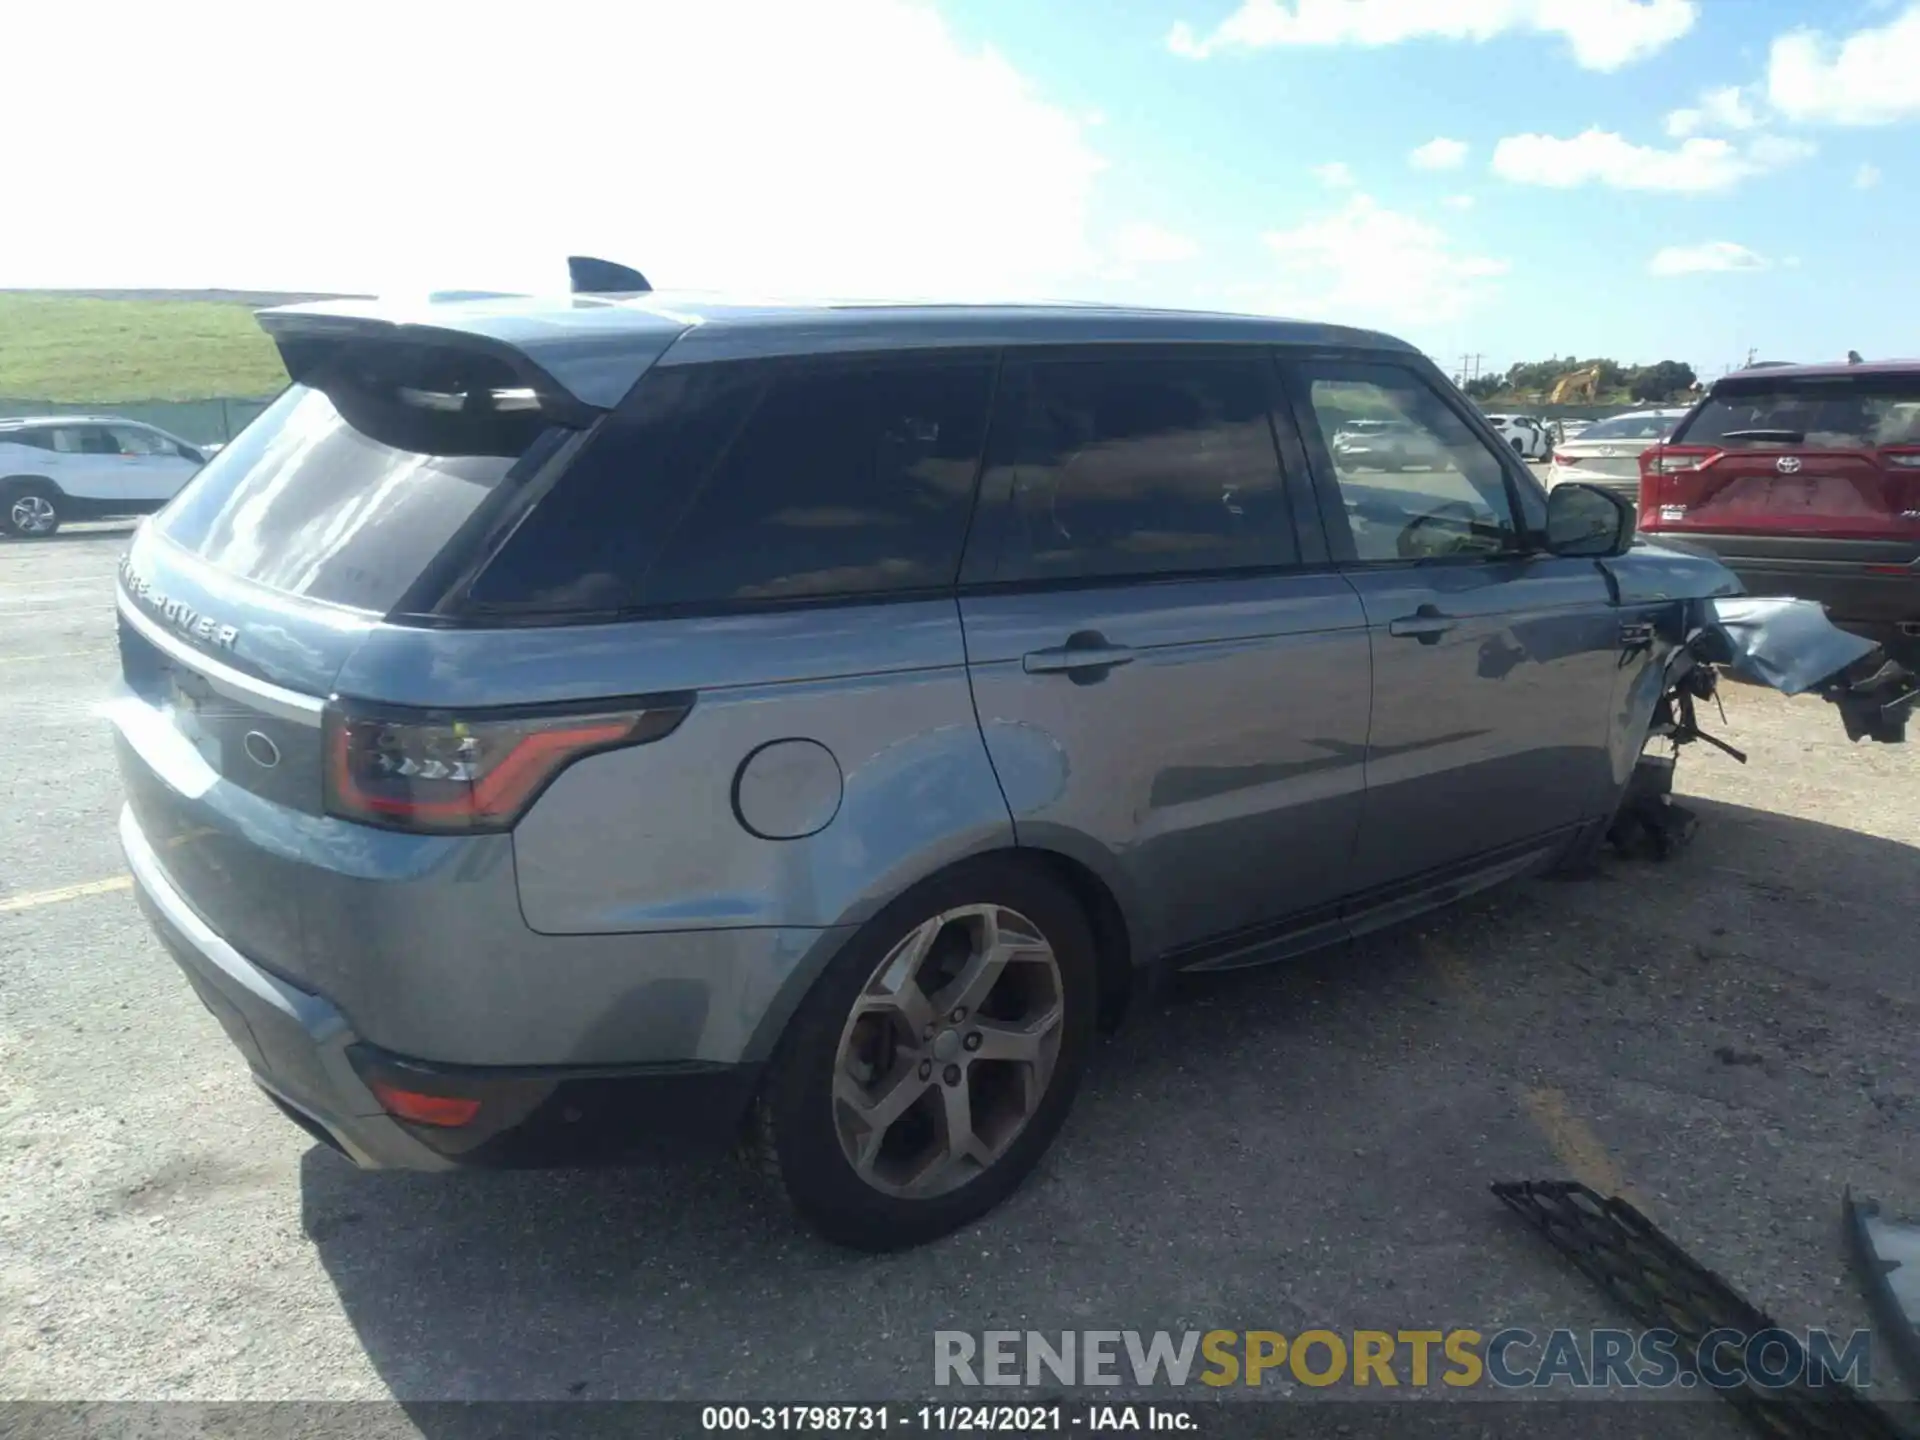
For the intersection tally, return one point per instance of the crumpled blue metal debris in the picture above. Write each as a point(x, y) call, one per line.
point(1789, 645)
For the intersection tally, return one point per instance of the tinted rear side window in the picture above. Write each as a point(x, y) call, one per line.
point(737, 484)
point(1842, 412)
point(37, 439)
point(1142, 465)
point(305, 502)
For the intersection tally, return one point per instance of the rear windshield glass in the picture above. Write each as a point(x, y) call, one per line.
point(1838, 413)
point(1631, 427)
point(307, 503)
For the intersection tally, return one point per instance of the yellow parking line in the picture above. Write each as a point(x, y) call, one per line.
point(65, 892)
point(1574, 1145)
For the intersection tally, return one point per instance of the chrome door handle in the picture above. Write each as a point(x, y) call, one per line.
point(1076, 657)
point(1426, 626)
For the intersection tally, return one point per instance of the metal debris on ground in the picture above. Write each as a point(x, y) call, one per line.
point(1662, 1287)
point(1886, 1253)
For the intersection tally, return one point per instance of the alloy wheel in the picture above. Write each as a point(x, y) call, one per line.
point(33, 515)
point(948, 1052)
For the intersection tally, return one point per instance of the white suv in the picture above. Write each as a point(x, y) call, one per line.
point(81, 467)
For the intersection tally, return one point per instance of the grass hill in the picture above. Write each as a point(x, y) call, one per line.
point(105, 348)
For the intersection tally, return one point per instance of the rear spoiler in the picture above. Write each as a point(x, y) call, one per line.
point(579, 356)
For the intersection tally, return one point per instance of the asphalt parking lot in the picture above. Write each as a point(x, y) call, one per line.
point(1729, 1038)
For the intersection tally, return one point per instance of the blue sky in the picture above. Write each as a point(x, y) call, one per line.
point(1636, 178)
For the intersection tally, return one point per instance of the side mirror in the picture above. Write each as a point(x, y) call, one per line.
point(1587, 520)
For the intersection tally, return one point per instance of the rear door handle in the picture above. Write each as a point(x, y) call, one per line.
point(1086, 656)
point(1426, 625)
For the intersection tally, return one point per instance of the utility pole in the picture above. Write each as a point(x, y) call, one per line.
point(1470, 368)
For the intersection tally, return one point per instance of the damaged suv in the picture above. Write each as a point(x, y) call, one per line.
point(567, 730)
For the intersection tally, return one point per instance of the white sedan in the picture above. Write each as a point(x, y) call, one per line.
point(59, 468)
point(1529, 435)
point(1608, 452)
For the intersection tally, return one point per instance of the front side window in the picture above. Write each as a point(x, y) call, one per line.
point(1415, 481)
point(1137, 466)
point(132, 440)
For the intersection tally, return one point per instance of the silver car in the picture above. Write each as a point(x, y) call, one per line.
point(577, 729)
point(1607, 453)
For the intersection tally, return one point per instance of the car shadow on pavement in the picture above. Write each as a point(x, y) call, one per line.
point(1307, 1144)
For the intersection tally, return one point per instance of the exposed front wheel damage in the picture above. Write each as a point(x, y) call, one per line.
point(1788, 645)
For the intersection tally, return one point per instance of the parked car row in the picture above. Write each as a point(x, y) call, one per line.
point(60, 468)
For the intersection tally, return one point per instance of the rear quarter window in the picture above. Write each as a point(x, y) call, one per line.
point(756, 483)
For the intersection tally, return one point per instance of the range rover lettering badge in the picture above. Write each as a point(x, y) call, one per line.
point(177, 613)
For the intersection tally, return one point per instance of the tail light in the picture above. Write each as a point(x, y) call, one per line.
point(1560, 459)
point(1672, 459)
point(435, 773)
point(1907, 457)
point(1659, 464)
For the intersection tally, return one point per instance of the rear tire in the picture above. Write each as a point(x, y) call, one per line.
point(30, 509)
point(888, 1122)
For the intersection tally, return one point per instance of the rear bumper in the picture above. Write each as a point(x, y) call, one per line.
point(1875, 603)
point(305, 1055)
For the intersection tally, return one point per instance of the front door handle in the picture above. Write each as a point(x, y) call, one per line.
point(1426, 625)
point(1085, 656)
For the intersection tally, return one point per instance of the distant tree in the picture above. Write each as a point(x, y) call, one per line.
point(1485, 387)
point(1650, 384)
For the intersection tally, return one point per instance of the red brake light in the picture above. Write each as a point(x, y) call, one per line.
point(1560, 459)
point(447, 1111)
point(441, 774)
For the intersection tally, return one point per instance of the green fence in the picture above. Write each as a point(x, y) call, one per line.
point(203, 422)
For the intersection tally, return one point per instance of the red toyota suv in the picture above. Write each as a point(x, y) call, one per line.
point(1804, 480)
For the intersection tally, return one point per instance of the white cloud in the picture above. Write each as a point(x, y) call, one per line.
point(1457, 202)
point(1335, 175)
point(1726, 108)
point(1712, 255)
point(1144, 243)
point(1366, 264)
point(1866, 177)
point(1872, 77)
point(875, 152)
point(1439, 153)
point(1603, 34)
point(1601, 157)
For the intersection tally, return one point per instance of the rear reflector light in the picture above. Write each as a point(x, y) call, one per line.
point(447, 1111)
point(1888, 569)
point(444, 774)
